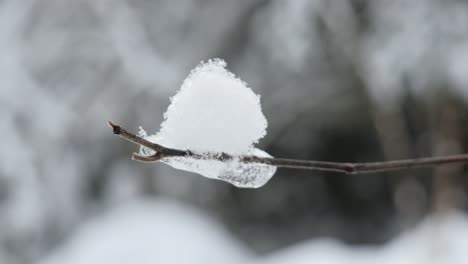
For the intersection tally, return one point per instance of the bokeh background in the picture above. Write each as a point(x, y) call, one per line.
point(357, 80)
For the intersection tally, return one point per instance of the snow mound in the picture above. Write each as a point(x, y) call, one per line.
point(215, 112)
point(150, 231)
point(163, 231)
point(438, 239)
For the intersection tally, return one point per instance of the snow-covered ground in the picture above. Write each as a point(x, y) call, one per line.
point(441, 239)
point(150, 231)
point(164, 231)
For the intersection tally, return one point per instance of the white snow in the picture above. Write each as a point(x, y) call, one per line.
point(439, 239)
point(215, 112)
point(150, 231)
point(164, 231)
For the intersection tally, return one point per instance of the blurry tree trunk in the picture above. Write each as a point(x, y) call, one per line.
point(343, 23)
point(446, 139)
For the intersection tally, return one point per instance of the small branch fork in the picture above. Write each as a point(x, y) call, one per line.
point(342, 167)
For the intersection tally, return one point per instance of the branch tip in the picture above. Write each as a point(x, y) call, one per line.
point(115, 128)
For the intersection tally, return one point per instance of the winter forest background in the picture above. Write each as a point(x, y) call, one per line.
point(354, 81)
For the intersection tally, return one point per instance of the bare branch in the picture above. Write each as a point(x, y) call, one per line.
point(342, 167)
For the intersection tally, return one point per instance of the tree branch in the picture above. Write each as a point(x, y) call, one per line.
point(342, 167)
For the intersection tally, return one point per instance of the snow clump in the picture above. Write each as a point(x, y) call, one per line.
point(215, 112)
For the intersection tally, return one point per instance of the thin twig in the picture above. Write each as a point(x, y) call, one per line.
point(342, 167)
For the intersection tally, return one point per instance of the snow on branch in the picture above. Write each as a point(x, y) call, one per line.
point(214, 121)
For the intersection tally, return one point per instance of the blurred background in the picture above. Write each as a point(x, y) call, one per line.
point(355, 81)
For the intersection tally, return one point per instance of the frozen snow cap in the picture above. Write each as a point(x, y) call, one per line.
point(214, 111)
